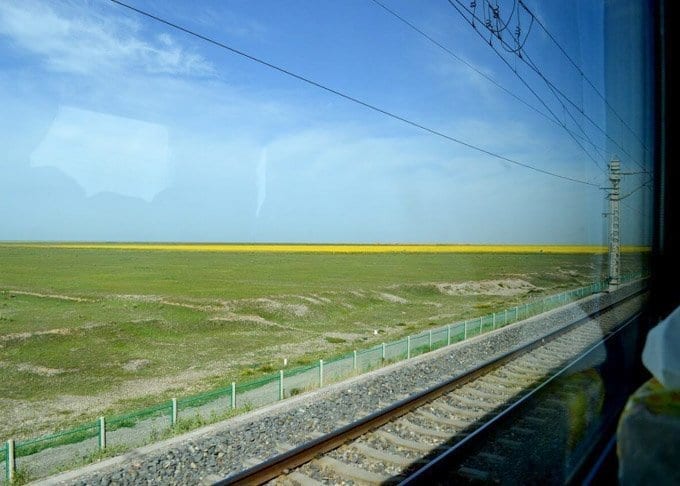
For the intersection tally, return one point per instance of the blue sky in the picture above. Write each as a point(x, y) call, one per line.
point(118, 128)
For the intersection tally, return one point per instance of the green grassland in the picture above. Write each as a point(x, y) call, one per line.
point(91, 331)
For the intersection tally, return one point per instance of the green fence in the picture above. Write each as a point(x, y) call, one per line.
point(277, 386)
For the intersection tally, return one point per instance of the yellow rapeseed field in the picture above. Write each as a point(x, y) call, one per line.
point(332, 248)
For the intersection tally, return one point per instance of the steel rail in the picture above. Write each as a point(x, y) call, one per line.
point(282, 463)
point(441, 463)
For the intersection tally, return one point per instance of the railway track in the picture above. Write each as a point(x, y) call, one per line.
point(394, 444)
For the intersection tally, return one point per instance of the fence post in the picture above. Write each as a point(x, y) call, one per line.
point(173, 415)
point(280, 384)
point(448, 335)
point(465, 330)
point(480, 324)
point(505, 317)
point(102, 433)
point(320, 373)
point(430, 339)
point(494, 320)
point(354, 360)
point(408, 347)
point(10, 460)
point(233, 395)
point(516, 313)
point(383, 351)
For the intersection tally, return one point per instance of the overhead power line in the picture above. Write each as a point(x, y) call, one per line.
point(522, 57)
point(634, 208)
point(630, 193)
point(557, 91)
point(536, 95)
point(482, 73)
point(581, 73)
point(567, 111)
point(348, 97)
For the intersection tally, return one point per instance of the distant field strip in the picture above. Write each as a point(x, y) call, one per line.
point(333, 248)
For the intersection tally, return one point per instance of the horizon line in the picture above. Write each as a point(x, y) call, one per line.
point(328, 247)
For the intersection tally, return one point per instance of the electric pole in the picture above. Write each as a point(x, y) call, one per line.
point(614, 242)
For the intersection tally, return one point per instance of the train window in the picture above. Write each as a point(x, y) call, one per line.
point(320, 211)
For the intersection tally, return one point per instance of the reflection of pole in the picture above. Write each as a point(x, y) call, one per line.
point(614, 243)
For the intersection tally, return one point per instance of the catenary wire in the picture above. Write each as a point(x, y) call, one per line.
point(581, 73)
point(633, 208)
point(560, 94)
point(348, 97)
point(630, 193)
point(533, 91)
point(499, 30)
point(566, 109)
point(539, 73)
point(531, 66)
point(471, 66)
point(508, 48)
